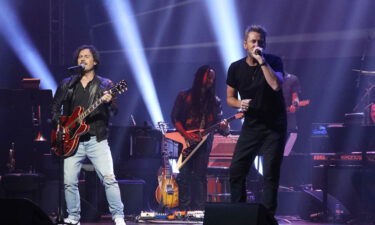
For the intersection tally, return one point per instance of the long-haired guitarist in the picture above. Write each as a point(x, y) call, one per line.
point(196, 108)
point(82, 90)
point(292, 92)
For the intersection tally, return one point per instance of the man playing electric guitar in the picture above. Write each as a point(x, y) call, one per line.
point(196, 108)
point(291, 92)
point(82, 91)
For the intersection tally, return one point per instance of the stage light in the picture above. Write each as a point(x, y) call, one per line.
point(18, 39)
point(225, 23)
point(127, 32)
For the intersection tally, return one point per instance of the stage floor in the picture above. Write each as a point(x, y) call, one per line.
point(281, 220)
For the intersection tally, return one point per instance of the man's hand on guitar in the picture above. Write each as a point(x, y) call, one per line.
point(60, 134)
point(224, 126)
point(292, 109)
point(106, 97)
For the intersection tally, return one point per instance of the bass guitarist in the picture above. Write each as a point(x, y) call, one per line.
point(197, 108)
point(82, 90)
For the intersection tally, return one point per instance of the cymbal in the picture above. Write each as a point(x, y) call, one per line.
point(364, 71)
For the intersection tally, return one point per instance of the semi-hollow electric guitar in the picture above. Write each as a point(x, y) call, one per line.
point(188, 147)
point(64, 140)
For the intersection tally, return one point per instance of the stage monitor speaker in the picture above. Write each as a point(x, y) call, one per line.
point(237, 213)
point(22, 212)
point(132, 195)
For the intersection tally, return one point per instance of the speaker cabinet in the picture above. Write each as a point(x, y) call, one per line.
point(237, 213)
point(22, 212)
point(132, 195)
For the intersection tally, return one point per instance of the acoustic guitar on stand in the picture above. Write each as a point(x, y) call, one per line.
point(65, 139)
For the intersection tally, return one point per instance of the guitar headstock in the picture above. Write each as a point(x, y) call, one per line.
point(162, 126)
point(304, 103)
point(119, 88)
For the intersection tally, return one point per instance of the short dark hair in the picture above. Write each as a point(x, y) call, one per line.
point(256, 28)
point(93, 50)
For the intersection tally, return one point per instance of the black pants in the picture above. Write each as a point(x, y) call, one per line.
point(257, 139)
point(192, 181)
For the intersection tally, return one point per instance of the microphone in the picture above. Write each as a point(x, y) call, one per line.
point(79, 67)
point(258, 52)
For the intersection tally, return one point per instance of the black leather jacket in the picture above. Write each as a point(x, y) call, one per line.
point(98, 119)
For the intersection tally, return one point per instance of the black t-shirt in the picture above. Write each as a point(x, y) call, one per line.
point(266, 104)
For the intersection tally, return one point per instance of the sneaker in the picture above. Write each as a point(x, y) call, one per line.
point(72, 222)
point(120, 221)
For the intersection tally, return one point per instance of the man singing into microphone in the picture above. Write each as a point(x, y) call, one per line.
point(258, 79)
point(83, 90)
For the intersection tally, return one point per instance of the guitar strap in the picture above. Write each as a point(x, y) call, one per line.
point(203, 120)
point(69, 95)
point(93, 89)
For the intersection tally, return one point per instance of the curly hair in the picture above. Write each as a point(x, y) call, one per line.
point(93, 51)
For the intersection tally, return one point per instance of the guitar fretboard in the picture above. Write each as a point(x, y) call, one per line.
point(90, 109)
point(118, 88)
point(216, 126)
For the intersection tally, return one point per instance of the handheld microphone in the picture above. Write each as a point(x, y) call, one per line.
point(258, 52)
point(79, 67)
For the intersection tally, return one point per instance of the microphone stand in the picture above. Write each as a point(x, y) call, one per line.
point(358, 80)
point(60, 217)
point(60, 146)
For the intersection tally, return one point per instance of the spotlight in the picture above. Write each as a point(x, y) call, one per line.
point(128, 35)
point(21, 44)
point(225, 23)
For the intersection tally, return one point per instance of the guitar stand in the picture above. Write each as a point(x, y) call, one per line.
point(60, 214)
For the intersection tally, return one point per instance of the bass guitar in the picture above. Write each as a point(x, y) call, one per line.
point(64, 140)
point(189, 147)
point(166, 193)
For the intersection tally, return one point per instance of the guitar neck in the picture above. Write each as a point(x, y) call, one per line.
point(87, 112)
point(216, 126)
point(165, 153)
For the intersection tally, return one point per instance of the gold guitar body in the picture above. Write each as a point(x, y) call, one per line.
point(166, 193)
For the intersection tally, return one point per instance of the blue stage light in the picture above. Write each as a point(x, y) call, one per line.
point(225, 23)
point(18, 39)
point(128, 35)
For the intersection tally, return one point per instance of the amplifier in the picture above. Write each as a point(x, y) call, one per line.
point(224, 145)
point(222, 151)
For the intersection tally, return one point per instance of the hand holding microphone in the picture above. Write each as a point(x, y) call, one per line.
point(258, 54)
point(245, 103)
point(258, 51)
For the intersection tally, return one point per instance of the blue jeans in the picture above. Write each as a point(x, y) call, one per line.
point(101, 158)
